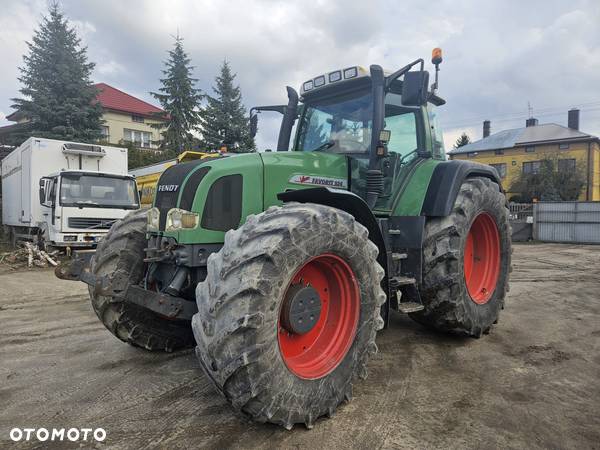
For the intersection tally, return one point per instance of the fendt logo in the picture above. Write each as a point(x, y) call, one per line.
point(168, 187)
point(319, 181)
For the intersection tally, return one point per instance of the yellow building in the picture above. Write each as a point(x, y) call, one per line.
point(126, 119)
point(518, 150)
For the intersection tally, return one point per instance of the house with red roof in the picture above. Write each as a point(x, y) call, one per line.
point(126, 118)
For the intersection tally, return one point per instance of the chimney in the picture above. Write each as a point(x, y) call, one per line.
point(487, 126)
point(531, 122)
point(573, 120)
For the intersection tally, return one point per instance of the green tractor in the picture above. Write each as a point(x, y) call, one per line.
point(280, 267)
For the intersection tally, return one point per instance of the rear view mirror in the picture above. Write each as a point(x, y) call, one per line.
point(45, 190)
point(253, 124)
point(414, 88)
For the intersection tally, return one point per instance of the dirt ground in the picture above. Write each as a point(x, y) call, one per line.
point(534, 382)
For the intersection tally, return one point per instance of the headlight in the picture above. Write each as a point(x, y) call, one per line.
point(178, 219)
point(351, 72)
point(153, 219)
point(319, 81)
point(335, 76)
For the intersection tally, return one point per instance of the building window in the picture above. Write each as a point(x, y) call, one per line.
point(563, 146)
point(500, 168)
point(137, 119)
point(472, 155)
point(139, 138)
point(104, 134)
point(530, 149)
point(499, 152)
point(531, 167)
point(566, 165)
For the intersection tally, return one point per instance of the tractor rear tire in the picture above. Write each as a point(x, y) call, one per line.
point(122, 250)
point(466, 262)
point(266, 372)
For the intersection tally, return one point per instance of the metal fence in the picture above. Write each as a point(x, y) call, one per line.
point(519, 212)
point(521, 221)
point(577, 222)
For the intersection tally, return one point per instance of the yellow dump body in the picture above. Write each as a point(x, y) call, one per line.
point(147, 177)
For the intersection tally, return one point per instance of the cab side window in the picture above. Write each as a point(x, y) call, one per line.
point(403, 129)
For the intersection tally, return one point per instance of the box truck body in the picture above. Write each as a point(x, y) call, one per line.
point(65, 193)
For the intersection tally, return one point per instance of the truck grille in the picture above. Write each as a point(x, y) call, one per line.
point(88, 222)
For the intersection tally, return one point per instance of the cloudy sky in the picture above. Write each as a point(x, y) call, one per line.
point(499, 56)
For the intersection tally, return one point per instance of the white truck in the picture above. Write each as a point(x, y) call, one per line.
point(65, 194)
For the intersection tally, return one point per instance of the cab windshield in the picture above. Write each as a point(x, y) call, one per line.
point(97, 191)
point(341, 124)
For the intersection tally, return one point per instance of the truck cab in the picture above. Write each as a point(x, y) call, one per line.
point(65, 194)
point(79, 207)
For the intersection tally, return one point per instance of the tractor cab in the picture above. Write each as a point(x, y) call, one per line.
point(383, 123)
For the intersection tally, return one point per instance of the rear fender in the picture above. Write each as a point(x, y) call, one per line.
point(446, 181)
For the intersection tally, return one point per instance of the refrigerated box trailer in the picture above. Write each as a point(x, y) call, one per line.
point(65, 193)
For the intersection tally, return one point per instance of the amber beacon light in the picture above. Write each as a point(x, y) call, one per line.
point(436, 56)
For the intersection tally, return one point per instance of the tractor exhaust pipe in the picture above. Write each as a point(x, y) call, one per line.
point(289, 117)
point(374, 174)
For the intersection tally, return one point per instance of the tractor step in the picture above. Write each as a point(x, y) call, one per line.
point(402, 281)
point(410, 307)
point(399, 256)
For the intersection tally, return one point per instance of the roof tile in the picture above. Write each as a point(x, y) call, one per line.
point(112, 98)
point(520, 136)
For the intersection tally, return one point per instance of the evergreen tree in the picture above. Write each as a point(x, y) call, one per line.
point(464, 139)
point(224, 120)
point(58, 96)
point(180, 99)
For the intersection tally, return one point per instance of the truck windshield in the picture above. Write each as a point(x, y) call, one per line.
point(98, 191)
point(337, 125)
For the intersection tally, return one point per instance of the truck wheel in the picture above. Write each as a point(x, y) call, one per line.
point(122, 250)
point(466, 262)
point(288, 313)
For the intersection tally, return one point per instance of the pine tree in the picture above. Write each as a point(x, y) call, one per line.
point(58, 96)
point(224, 120)
point(464, 139)
point(180, 99)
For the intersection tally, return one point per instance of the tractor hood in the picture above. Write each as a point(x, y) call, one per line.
point(224, 191)
point(284, 171)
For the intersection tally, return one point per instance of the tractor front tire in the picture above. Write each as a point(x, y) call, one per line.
point(466, 262)
point(289, 258)
point(121, 252)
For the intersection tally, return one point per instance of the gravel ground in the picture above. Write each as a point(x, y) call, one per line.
point(534, 382)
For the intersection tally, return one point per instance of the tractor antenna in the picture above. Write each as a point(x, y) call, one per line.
point(436, 60)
